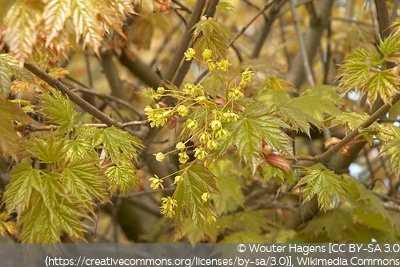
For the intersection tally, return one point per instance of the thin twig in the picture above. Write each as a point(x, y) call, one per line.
point(182, 6)
point(303, 50)
point(46, 128)
point(184, 42)
point(353, 134)
point(53, 82)
point(145, 192)
point(106, 96)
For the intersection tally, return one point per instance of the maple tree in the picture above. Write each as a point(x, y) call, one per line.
point(182, 121)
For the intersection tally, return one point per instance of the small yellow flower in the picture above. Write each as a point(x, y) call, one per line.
point(156, 182)
point(230, 116)
point(207, 54)
point(199, 153)
point(211, 218)
point(191, 124)
point(223, 65)
point(180, 146)
point(189, 54)
point(201, 99)
point(178, 179)
point(246, 75)
point(182, 110)
point(215, 125)
point(210, 65)
point(161, 90)
point(235, 93)
point(204, 137)
point(183, 157)
point(159, 156)
point(212, 144)
point(223, 133)
point(189, 88)
point(205, 196)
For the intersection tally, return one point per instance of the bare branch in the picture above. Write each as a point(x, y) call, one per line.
point(303, 49)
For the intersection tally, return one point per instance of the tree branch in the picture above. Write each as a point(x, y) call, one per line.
point(53, 82)
point(112, 75)
point(269, 21)
point(184, 41)
point(139, 69)
point(302, 45)
point(312, 39)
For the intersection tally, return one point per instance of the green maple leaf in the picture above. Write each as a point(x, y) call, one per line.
point(325, 184)
point(116, 143)
point(49, 149)
point(44, 224)
point(368, 207)
point(9, 140)
point(122, 176)
point(23, 179)
point(297, 118)
point(318, 101)
point(196, 180)
point(9, 68)
point(392, 150)
point(211, 35)
point(84, 180)
point(290, 110)
point(230, 187)
point(59, 110)
point(364, 72)
point(248, 132)
point(269, 172)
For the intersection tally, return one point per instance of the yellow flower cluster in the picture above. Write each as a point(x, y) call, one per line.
point(168, 205)
point(156, 182)
point(208, 116)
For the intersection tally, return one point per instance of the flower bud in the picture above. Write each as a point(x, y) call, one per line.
point(279, 162)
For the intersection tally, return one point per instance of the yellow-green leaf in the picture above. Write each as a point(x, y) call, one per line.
point(9, 139)
point(325, 184)
point(197, 180)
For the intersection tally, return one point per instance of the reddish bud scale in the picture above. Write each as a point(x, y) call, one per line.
point(331, 142)
point(279, 162)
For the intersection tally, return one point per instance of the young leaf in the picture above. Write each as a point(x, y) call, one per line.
point(122, 176)
point(59, 110)
point(325, 184)
point(363, 72)
point(21, 21)
point(225, 7)
point(49, 149)
point(9, 139)
point(43, 223)
point(383, 83)
point(318, 101)
point(9, 68)
point(8, 226)
point(23, 179)
point(269, 172)
point(230, 187)
point(84, 180)
point(248, 132)
point(211, 35)
point(368, 207)
point(297, 118)
point(196, 180)
point(392, 151)
point(116, 143)
point(283, 106)
point(55, 15)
